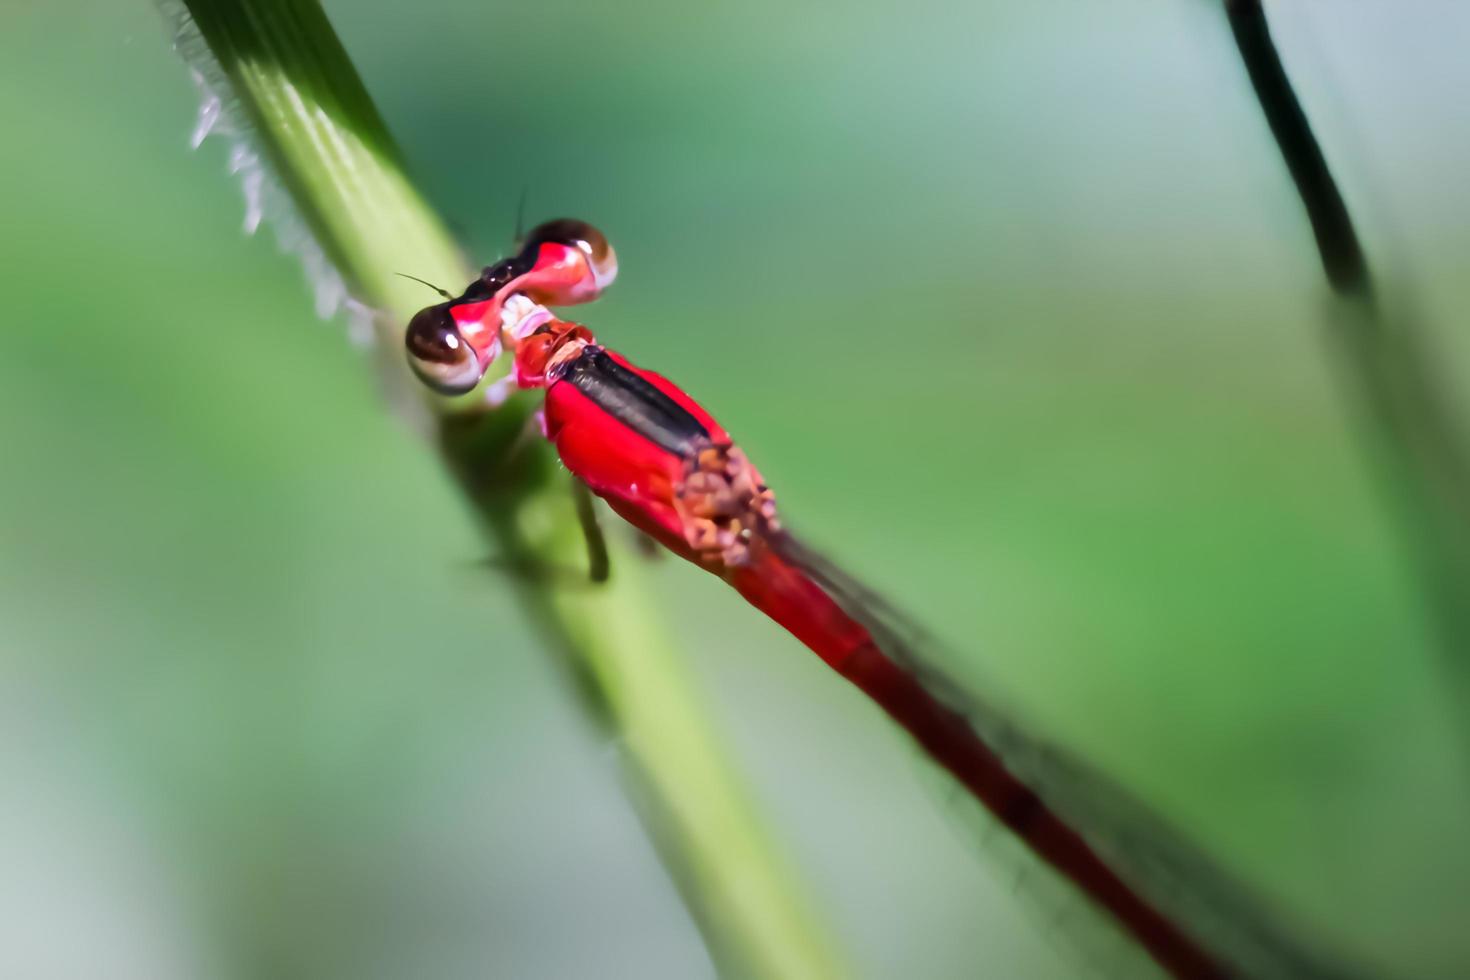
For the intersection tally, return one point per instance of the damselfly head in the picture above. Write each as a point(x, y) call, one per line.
point(441, 356)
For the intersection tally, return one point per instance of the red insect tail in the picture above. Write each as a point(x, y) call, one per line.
point(790, 596)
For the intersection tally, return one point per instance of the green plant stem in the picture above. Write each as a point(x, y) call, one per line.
point(316, 125)
point(1402, 409)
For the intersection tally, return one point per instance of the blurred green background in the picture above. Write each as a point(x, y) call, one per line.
point(1013, 305)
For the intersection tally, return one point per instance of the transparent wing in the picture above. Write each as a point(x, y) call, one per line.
point(1161, 864)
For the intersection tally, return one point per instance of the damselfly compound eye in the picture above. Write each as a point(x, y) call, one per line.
point(439, 354)
point(578, 271)
point(579, 234)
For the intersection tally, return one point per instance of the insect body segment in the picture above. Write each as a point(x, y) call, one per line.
point(652, 453)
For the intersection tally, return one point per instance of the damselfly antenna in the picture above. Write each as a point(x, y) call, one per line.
point(437, 289)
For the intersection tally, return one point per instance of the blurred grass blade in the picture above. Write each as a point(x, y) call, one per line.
point(1411, 430)
point(316, 159)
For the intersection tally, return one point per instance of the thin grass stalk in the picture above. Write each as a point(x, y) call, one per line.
point(310, 121)
point(1411, 432)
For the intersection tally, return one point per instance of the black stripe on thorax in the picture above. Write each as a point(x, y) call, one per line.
point(636, 403)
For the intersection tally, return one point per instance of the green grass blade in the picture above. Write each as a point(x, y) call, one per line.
point(1407, 418)
point(304, 112)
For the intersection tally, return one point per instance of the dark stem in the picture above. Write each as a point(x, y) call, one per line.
point(1408, 422)
point(1337, 241)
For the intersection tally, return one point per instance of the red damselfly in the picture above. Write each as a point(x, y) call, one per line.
point(667, 467)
